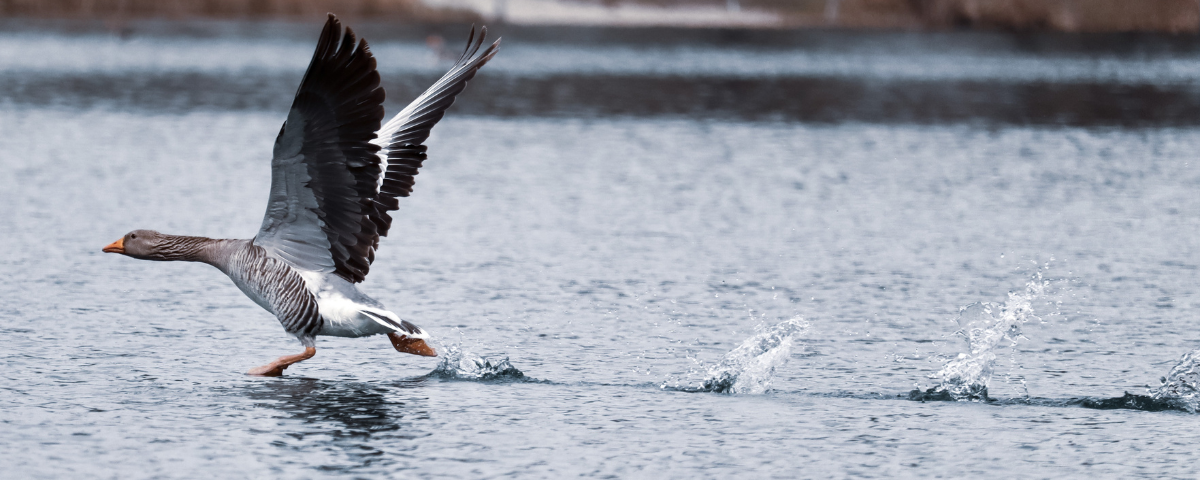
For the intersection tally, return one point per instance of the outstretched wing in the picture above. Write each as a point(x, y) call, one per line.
point(325, 171)
point(401, 139)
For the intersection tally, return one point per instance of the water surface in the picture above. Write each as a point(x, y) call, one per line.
point(606, 254)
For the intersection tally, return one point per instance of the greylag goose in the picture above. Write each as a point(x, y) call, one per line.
point(333, 182)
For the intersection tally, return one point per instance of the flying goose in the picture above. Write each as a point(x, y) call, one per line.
point(335, 175)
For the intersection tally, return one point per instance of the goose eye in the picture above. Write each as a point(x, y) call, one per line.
point(132, 236)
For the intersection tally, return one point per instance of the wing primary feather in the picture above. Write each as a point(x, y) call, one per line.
point(326, 168)
point(401, 151)
point(333, 179)
point(470, 38)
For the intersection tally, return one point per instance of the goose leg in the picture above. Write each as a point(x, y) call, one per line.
point(414, 346)
point(275, 369)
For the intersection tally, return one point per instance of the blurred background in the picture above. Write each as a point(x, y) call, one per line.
point(1063, 15)
point(1067, 62)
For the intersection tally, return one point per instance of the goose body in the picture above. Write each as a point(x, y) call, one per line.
point(335, 175)
point(307, 301)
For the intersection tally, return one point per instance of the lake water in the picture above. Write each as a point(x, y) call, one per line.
point(600, 222)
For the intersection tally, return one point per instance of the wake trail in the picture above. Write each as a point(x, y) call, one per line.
point(458, 364)
point(1180, 391)
point(984, 326)
point(749, 368)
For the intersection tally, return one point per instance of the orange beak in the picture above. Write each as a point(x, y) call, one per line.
point(116, 247)
point(414, 346)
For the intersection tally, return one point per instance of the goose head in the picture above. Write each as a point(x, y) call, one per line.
point(141, 244)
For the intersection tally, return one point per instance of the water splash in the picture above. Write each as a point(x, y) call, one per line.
point(1180, 390)
point(457, 364)
point(984, 326)
point(1181, 387)
point(749, 368)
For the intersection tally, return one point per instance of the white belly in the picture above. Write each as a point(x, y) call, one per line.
point(344, 318)
point(346, 311)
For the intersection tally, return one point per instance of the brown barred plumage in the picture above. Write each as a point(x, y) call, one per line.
point(267, 280)
point(278, 288)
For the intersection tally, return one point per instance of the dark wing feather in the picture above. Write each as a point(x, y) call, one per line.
point(402, 137)
point(325, 170)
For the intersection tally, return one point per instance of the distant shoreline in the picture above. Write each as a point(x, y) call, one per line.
point(1097, 16)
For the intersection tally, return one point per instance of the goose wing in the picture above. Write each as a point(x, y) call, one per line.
point(330, 194)
point(402, 139)
point(325, 171)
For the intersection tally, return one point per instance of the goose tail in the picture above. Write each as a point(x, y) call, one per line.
point(391, 321)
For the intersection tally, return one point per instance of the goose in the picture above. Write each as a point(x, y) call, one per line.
point(335, 175)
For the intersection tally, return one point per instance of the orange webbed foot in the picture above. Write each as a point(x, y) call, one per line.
point(414, 346)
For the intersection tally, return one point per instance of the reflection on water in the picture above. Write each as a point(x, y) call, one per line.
point(351, 420)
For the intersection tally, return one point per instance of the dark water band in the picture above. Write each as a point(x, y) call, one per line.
point(826, 100)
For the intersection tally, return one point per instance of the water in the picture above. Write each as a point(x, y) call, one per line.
point(984, 326)
point(749, 368)
point(1181, 386)
point(602, 254)
point(457, 364)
